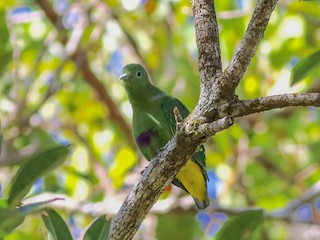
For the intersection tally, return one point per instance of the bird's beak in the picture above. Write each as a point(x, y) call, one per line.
point(124, 76)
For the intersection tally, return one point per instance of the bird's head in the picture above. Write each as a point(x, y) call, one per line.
point(134, 78)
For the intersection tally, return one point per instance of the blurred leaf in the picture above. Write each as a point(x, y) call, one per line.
point(12, 218)
point(78, 174)
point(304, 67)
point(9, 220)
point(32, 207)
point(169, 226)
point(1, 137)
point(242, 226)
point(125, 159)
point(3, 202)
point(311, 9)
point(87, 35)
point(98, 230)
point(56, 225)
point(51, 183)
point(35, 167)
point(6, 4)
point(6, 48)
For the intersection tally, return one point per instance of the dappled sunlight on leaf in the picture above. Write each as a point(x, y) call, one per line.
point(251, 86)
point(123, 161)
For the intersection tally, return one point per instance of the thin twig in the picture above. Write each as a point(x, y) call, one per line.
point(287, 213)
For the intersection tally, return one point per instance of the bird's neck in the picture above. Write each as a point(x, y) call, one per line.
point(145, 96)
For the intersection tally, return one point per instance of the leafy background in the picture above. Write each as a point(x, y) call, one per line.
point(59, 68)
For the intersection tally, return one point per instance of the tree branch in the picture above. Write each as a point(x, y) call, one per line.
point(159, 174)
point(287, 213)
point(210, 66)
point(220, 89)
point(215, 89)
point(207, 37)
point(248, 46)
point(246, 107)
point(217, 102)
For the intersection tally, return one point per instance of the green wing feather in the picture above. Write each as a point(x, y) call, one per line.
point(167, 106)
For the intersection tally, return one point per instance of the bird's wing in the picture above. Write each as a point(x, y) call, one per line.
point(167, 106)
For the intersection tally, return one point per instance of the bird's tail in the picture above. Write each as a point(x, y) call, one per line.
point(194, 182)
point(202, 204)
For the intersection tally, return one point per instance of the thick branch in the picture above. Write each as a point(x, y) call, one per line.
point(219, 89)
point(210, 66)
point(159, 173)
point(161, 170)
point(169, 161)
point(207, 36)
point(50, 13)
point(247, 107)
point(248, 46)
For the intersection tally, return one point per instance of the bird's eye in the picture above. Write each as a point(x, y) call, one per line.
point(138, 74)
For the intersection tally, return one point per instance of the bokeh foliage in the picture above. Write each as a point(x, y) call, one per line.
point(49, 96)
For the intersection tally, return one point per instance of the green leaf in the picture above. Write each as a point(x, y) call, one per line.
point(6, 47)
point(12, 218)
point(98, 230)
point(35, 167)
point(32, 207)
point(167, 225)
point(1, 137)
point(56, 226)
point(3, 203)
point(304, 67)
point(9, 220)
point(242, 226)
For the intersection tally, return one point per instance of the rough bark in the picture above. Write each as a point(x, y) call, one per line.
point(217, 100)
point(159, 174)
point(217, 89)
point(207, 37)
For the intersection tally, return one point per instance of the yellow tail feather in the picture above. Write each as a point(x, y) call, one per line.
point(194, 181)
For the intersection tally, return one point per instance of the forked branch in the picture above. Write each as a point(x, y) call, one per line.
point(216, 88)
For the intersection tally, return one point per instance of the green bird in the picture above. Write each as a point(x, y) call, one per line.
point(154, 125)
